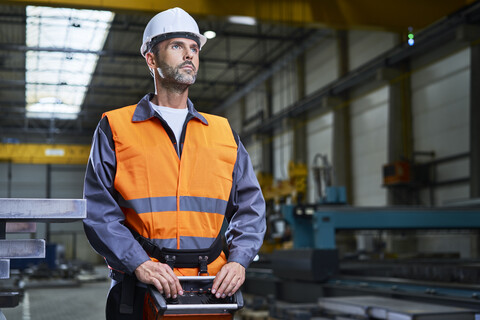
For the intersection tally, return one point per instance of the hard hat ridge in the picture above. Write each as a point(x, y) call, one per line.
point(162, 37)
point(168, 24)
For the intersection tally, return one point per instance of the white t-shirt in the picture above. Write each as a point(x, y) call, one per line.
point(175, 118)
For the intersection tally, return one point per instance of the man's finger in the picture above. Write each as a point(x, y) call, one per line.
point(231, 287)
point(172, 286)
point(225, 283)
point(179, 288)
point(173, 282)
point(238, 284)
point(218, 280)
point(165, 286)
point(235, 288)
point(157, 285)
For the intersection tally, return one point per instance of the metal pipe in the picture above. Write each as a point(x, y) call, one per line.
point(9, 184)
point(195, 278)
point(451, 181)
point(227, 306)
point(447, 159)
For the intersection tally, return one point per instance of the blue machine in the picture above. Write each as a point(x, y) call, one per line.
point(334, 195)
point(314, 226)
point(314, 256)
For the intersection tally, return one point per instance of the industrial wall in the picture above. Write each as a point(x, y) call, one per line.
point(441, 105)
point(439, 102)
point(369, 120)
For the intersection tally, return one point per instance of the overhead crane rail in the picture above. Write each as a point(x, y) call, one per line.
point(29, 153)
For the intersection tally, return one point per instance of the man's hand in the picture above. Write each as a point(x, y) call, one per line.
point(228, 280)
point(161, 276)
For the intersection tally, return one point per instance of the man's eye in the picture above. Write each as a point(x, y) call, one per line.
point(194, 50)
point(175, 46)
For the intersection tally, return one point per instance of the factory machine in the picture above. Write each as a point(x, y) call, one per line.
point(310, 279)
point(312, 270)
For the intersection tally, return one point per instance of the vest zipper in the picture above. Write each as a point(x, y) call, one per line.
point(178, 150)
point(184, 132)
point(169, 132)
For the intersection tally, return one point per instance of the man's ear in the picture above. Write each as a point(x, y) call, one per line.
point(150, 59)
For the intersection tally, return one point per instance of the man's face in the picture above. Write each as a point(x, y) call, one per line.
point(177, 60)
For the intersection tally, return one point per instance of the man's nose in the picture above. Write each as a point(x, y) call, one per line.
point(189, 54)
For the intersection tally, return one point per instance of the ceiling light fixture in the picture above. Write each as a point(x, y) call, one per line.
point(249, 21)
point(209, 34)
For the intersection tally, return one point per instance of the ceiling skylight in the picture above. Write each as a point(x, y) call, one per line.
point(58, 70)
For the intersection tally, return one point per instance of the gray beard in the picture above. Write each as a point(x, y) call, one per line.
point(172, 79)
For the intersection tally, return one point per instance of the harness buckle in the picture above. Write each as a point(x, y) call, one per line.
point(203, 265)
point(170, 260)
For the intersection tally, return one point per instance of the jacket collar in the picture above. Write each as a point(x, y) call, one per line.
point(144, 111)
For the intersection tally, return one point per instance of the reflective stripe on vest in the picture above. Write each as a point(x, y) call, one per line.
point(177, 203)
point(185, 242)
point(161, 204)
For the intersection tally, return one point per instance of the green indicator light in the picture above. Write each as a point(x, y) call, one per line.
point(410, 36)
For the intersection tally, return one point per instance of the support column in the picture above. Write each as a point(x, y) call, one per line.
point(243, 111)
point(300, 138)
point(475, 121)
point(471, 34)
point(48, 196)
point(267, 140)
point(400, 134)
point(300, 123)
point(341, 161)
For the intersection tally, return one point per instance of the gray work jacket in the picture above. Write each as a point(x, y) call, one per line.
point(104, 225)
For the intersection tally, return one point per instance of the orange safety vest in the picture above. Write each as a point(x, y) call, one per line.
point(176, 203)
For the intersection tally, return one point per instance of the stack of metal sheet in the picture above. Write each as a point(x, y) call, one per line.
point(367, 307)
point(20, 215)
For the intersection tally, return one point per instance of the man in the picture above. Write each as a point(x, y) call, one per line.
point(162, 177)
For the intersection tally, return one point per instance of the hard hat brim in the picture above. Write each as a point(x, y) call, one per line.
point(146, 47)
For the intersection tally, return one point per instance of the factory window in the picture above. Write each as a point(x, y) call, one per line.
point(63, 47)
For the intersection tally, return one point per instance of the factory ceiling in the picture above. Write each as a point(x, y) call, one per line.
point(229, 62)
point(391, 15)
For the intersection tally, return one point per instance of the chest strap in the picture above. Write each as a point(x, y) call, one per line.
point(182, 258)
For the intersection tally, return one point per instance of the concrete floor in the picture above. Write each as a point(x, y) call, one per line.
point(86, 302)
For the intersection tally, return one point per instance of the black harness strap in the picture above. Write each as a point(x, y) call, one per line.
point(182, 258)
point(128, 294)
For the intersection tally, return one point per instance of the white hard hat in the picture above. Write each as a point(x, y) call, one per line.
point(171, 23)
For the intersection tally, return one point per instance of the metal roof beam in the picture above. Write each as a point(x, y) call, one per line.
point(137, 28)
point(146, 76)
point(112, 53)
point(19, 106)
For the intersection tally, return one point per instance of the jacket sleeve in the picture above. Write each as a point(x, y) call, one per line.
point(245, 212)
point(104, 223)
